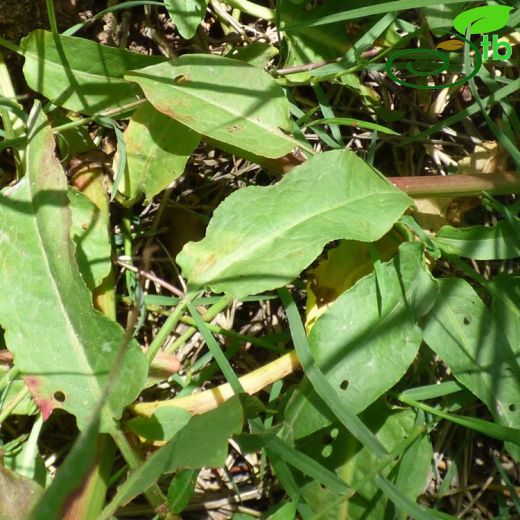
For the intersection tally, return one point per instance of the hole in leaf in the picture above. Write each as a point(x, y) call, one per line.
point(512, 407)
point(467, 320)
point(59, 396)
point(327, 439)
point(344, 384)
point(334, 432)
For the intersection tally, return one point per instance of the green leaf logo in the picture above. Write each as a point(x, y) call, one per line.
point(483, 19)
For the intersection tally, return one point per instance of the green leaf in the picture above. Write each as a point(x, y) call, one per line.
point(491, 429)
point(186, 15)
point(357, 123)
point(364, 350)
point(222, 98)
point(201, 443)
point(157, 149)
point(485, 19)
point(79, 74)
point(440, 18)
point(463, 332)
point(331, 196)
point(162, 425)
point(64, 349)
point(498, 242)
point(378, 8)
point(181, 489)
point(314, 44)
point(18, 493)
point(355, 338)
point(89, 232)
point(285, 512)
point(337, 450)
point(505, 290)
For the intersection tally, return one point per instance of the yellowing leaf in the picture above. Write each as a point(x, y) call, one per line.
point(488, 157)
point(342, 268)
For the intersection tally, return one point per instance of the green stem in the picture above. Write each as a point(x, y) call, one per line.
point(11, 405)
point(458, 185)
point(51, 14)
point(9, 377)
point(108, 113)
point(252, 9)
point(9, 45)
point(207, 316)
point(169, 325)
point(234, 335)
point(154, 495)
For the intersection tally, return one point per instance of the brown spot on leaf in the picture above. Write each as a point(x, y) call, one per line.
point(183, 118)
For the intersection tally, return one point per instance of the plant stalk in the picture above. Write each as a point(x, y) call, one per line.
point(209, 399)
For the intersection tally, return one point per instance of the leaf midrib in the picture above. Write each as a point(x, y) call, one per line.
point(74, 341)
point(242, 253)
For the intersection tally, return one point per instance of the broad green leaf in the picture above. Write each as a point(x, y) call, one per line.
point(499, 242)
point(89, 232)
point(261, 238)
point(162, 425)
point(157, 149)
point(464, 333)
point(64, 349)
point(505, 289)
point(485, 19)
point(362, 347)
point(285, 512)
point(222, 98)
point(365, 347)
point(181, 489)
point(79, 74)
point(186, 15)
point(201, 443)
point(18, 493)
point(337, 450)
